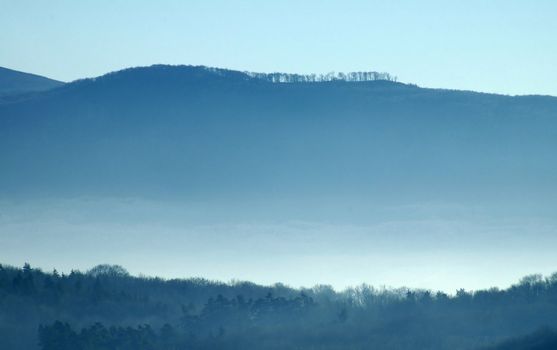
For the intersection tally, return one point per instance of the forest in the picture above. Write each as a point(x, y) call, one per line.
point(316, 78)
point(107, 308)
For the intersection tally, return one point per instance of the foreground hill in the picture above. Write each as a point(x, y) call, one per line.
point(544, 339)
point(14, 82)
point(106, 308)
point(182, 131)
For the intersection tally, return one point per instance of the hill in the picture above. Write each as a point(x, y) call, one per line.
point(106, 308)
point(13, 82)
point(196, 131)
point(544, 339)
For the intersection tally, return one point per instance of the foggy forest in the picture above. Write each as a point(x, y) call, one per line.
point(106, 308)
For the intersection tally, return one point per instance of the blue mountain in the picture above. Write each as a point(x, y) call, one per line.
point(185, 130)
point(13, 82)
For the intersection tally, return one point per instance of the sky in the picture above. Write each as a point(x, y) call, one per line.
point(501, 46)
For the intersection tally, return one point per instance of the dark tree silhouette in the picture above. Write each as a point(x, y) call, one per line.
point(106, 308)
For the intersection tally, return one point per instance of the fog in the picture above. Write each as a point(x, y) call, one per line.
point(440, 246)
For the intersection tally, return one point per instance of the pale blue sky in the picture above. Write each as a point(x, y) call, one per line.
point(505, 46)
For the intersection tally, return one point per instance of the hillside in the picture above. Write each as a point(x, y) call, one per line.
point(13, 82)
point(106, 308)
point(544, 339)
point(189, 131)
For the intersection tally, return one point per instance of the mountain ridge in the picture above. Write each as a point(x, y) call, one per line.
point(191, 128)
point(201, 71)
point(13, 82)
point(264, 77)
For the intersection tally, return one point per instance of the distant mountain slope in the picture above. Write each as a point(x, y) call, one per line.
point(191, 130)
point(15, 82)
